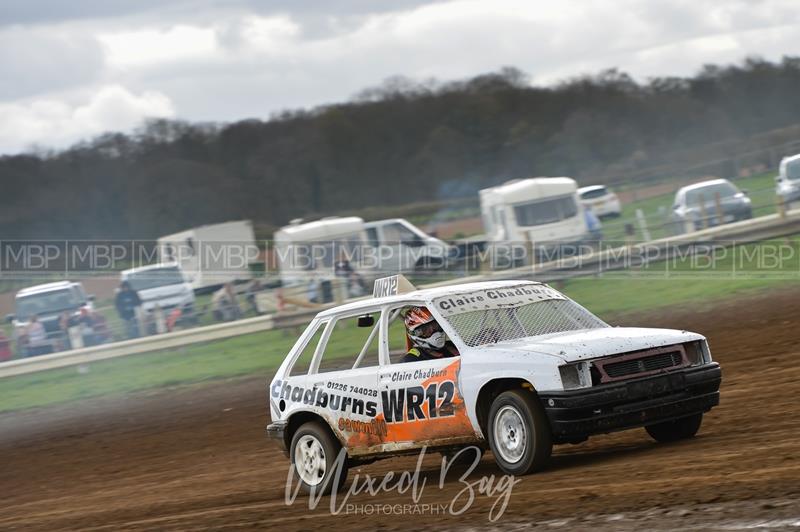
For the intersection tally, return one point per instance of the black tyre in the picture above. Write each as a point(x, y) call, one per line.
point(519, 433)
point(677, 429)
point(314, 453)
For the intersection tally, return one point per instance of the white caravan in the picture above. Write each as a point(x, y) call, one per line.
point(308, 251)
point(212, 255)
point(540, 210)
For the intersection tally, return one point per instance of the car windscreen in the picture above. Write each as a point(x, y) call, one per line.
point(594, 193)
point(491, 316)
point(546, 211)
point(793, 169)
point(156, 277)
point(47, 303)
point(709, 193)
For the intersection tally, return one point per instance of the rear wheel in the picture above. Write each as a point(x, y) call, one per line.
point(519, 433)
point(314, 453)
point(677, 429)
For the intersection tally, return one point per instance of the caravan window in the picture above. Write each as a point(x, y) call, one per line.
point(545, 211)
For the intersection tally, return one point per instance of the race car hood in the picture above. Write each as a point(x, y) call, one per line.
point(572, 346)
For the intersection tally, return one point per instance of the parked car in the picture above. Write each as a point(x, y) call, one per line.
point(787, 183)
point(602, 201)
point(49, 302)
point(161, 285)
point(695, 201)
point(532, 368)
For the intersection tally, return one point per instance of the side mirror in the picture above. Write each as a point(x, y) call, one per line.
point(676, 207)
point(91, 297)
point(366, 321)
point(745, 192)
point(9, 318)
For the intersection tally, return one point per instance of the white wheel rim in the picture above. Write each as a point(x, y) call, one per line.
point(309, 460)
point(510, 435)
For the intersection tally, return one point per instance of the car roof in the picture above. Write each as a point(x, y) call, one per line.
point(703, 184)
point(790, 158)
point(427, 295)
point(151, 267)
point(47, 287)
point(591, 188)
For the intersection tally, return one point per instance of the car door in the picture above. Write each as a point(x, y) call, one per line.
point(421, 401)
point(343, 378)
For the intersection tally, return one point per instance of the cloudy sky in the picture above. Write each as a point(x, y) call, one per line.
point(70, 70)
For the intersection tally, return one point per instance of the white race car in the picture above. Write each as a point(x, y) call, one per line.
point(533, 369)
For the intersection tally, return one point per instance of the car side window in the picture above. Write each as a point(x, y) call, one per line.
point(303, 362)
point(353, 343)
point(397, 336)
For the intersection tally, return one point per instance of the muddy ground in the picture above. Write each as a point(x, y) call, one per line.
point(196, 457)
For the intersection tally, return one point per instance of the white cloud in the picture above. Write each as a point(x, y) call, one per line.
point(143, 47)
point(228, 61)
point(56, 123)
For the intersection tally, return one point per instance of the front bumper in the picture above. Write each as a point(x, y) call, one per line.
point(277, 432)
point(576, 414)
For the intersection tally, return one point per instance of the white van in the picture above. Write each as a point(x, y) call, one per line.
point(405, 247)
point(540, 210)
point(161, 285)
point(308, 251)
point(212, 255)
point(787, 182)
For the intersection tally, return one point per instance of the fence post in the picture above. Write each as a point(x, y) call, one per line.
point(703, 213)
point(643, 225)
point(718, 207)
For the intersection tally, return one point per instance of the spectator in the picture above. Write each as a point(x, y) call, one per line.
point(37, 338)
point(5, 348)
point(65, 321)
point(356, 287)
point(252, 292)
point(86, 324)
point(225, 305)
point(127, 301)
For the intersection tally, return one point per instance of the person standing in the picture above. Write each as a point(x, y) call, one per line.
point(127, 301)
point(37, 337)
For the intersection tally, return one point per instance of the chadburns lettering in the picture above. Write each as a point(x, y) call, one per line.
point(316, 397)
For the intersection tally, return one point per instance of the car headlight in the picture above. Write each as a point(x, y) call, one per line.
point(697, 352)
point(575, 375)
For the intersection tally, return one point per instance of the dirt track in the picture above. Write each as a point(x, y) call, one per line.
point(196, 457)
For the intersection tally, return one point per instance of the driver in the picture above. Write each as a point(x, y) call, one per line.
point(430, 341)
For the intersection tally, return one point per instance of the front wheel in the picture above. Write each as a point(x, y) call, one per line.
point(519, 433)
point(314, 453)
point(677, 429)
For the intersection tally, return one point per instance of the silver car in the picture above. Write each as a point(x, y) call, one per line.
point(696, 205)
point(787, 183)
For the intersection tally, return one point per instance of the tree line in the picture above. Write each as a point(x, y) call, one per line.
point(401, 142)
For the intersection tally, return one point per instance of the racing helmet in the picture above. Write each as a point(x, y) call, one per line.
point(423, 329)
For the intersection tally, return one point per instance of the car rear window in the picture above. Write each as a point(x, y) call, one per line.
point(594, 193)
